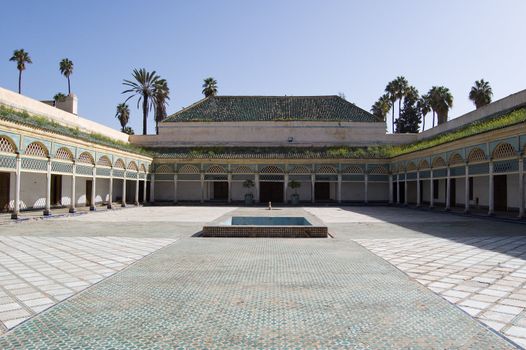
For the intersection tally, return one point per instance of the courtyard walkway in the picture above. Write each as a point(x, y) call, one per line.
point(369, 287)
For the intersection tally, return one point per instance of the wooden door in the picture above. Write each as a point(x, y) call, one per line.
point(500, 192)
point(220, 190)
point(322, 191)
point(89, 191)
point(271, 192)
point(4, 191)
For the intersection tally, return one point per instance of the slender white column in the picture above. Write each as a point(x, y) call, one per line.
point(405, 189)
point(448, 189)
point(152, 188)
point(124, 190)
point(285, 186)
point(466, 190)
point(491, 203)
point(256, 183)
point(137, 190)
point(110, 200)
point(73, 204)
point(366, 188)
point(144, 188)
point(16, 205)
point(229, 178)
point(390, 188)
point(47, 209)
point(339, 189)
point(175, 188)
point(521, 187)
point(202, 188)
point(431, 189)
point(313, 187)
point(418, 201)
point(93, 189)
point(398, 188)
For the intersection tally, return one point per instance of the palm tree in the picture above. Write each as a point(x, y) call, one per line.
point(397, 90)
point(123, 114)
point(424, 108)
point(209, 87)
point(390, 89)
point(441, 102)
point(143, 86)
point(59, 97)
point(160, 98)
point(381, 107)
point(21, 57)
point(66, 69)
point(481, 93)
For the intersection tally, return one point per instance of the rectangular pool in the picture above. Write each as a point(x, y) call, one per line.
point(268, 221)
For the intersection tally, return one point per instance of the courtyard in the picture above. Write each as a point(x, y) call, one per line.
point(388, 278)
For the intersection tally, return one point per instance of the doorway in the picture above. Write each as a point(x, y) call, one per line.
point(4, 191)
point(221, 190)
point(453, 193)
point(89, 191)
point(402, 192)
point(322, 191)
point(56, 190)
point(271, 192)
point(500, 192)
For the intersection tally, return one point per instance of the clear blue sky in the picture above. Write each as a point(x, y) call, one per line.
point(292, 47)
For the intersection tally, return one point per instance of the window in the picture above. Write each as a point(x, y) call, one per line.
point(435, 189)
point(471, 188)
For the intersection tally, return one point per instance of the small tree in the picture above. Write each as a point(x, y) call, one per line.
point(248, 184)
point(128, 130)
point(59, 97)
point(294, 185)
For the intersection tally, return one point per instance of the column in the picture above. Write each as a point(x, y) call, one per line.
point(16, 204)
point(93, 189)
point(391, 189)
point(285, 186)
point(313, 187)
point(256, 182)
point(398, 189)
point(366, 189)
point(202, 188)
point(110, 200)
point(339, 189)
point(229, 179)
point(418, 195)
point(175, 188)
point(152, 188)
point(144, 188)
point(521, 187)
point(405, 189)
point(491, 203)
point(72, 207)
point(431, 189)
point(448, 189)
point(466, 190)
point(47, 209)
point(124, 190)
point(137, 189)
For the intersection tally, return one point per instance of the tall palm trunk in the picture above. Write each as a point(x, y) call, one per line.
point(144, 115)
point(433, 118)
point(423, 122)
point(392, 119)
point(69, 87)
point(19, 81)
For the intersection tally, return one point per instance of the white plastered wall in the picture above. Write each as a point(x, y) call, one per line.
point(188, 191)
point(353, 191)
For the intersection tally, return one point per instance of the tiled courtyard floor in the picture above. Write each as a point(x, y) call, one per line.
point(262, 293)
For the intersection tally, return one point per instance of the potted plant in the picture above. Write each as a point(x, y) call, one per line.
point(249, 197)
point(295, 198)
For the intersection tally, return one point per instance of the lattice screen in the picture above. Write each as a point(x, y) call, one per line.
point(456, 159)
point(325, 169)
point(164, 169)
point(86, 158)
point(476, 155)
point(133, 166)
point(104, 161)
point(439, 162)
point(353, 169)
point(271, 169)
point(189, 169)
point(424, 164)
point(216, 169)
point(64, 153)
point(36, 149)
point(503, 151)
point(411, 167)
point(6, 146)
point(300, 170)
point(379, 170)
point(243, 170)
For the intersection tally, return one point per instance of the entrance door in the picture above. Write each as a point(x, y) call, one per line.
point(56, 189)
point(453, 193)
point(4, 191)
point(220, 190)
point(322, 191)
point(89, 191)
point(402, 192)
point(271, 192)
point(500, 192)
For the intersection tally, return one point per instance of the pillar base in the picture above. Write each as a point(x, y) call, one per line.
point(72, 210)
point(109, 206)
point(47, 212)
point(136, 204)
point(92, 208)
point(123, 205)
point(14, 216)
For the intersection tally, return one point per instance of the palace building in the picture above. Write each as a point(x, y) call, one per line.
point(282, 149)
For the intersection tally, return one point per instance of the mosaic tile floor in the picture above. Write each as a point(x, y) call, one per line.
point(256, 293)
point(484, 276)
point(38, 272)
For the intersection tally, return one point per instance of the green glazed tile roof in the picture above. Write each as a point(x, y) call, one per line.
point(272, 108)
